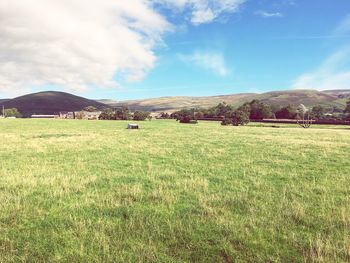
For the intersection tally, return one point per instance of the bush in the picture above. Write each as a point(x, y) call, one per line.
point(185, 116)
point(12, 113)
point(236, 118)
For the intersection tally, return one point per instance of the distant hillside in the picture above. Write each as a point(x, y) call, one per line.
point(50, 102)
point(276, 98)
point(3, 100)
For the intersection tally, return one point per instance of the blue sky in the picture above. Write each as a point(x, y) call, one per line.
point(257, 46)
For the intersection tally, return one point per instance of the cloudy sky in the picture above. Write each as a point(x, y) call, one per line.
point(142, 48)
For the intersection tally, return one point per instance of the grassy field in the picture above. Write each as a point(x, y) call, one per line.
point(92, 191)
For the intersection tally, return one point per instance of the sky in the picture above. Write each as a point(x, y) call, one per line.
point(117, 49)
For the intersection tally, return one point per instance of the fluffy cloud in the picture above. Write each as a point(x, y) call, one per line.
point(334, 73)
point(212, 61)
point(77, 44)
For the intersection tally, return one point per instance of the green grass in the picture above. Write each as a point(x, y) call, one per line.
point(93, 191)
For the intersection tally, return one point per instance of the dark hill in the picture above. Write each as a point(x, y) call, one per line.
point(3, 100)
point(50, 102)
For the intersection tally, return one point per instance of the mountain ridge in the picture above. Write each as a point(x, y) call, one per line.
point(53, 102)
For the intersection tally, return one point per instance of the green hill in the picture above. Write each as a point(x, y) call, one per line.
point(276, 98)
point(50, 102)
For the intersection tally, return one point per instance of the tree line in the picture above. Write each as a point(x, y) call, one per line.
point(256, 110)
point(123, 113)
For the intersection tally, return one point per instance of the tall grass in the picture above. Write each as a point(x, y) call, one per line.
point(93, 191)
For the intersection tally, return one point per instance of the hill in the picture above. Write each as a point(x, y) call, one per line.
point(3, 100)
point(275, 98)
point(50, 102)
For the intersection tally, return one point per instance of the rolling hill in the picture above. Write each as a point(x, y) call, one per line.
point(276, 98)
point(50, 102)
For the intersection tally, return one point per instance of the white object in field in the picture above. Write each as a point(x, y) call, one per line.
point(132, 126)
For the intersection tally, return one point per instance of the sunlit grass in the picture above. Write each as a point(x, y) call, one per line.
point(93, 191)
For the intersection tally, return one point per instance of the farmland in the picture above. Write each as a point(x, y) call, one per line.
point(93, 191)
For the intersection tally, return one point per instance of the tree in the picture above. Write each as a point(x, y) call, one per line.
point(122, 113)
point(304, 119)
point(185, 116)
point(317, 112)
point(347, 109)
point(90, 108)
point(80, 115)
point(236, 118)
point(257, 110)
point(164, 115)
point(141, 115)
point(302, 111)
point(222, 108)
point(107, 114)
point(13, 112)
point(286, 113)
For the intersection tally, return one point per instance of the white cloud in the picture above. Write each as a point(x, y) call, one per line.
point(212, 61)
point(334, 73)
point(203, 11)
point(268, 14)
point(76, 44)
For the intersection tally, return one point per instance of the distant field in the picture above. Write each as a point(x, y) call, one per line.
point(92, 191)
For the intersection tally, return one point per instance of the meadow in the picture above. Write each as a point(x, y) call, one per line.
point(93, 191)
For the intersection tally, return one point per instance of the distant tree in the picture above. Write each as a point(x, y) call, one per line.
point(347, 109)
point(107, 114)
point(90, 108)
point(304, 118)
point(185, 116)
point(164, 115)
point(123, 113)
point(141, 115)
point(260, 110)
point(222, 108)
point(80, 115)
point(302, 111)
point(150, 117)
point(317, 112)
point(13, 112)
point(236, 118)
point(286, 113)
point(257, 110)
point(199, 114)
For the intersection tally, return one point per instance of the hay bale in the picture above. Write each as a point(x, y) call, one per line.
point(133, 126)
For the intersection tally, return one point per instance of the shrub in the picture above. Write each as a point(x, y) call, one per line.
point(13, 113)
point(236, 118)
point(185, 116)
